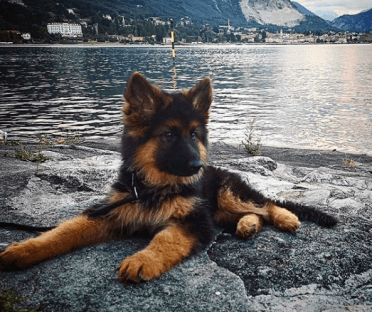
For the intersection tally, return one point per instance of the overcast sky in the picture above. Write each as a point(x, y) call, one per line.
point(340, 7)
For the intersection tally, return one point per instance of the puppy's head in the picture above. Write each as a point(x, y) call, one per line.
point(168, 130)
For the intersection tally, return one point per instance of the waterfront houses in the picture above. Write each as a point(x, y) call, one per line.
point(69, 30)
point(157, 30)
point(294, 38)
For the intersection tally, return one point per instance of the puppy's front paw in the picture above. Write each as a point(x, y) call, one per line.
point(143, 266)
point(15, 257)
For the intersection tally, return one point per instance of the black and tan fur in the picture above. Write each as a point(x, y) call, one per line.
point(177, 197)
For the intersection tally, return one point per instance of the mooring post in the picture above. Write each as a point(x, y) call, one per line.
point(172, 39)
point(174, 78)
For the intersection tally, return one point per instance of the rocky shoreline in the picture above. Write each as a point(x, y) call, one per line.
point(315, 270)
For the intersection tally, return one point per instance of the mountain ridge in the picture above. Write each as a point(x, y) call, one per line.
point(271, 15)
point(302, 9)
point(244, 13)
point(272, 12)
point(361, 22)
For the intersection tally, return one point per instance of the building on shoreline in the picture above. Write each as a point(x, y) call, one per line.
point(14, 36)
point(70, 30)
point(156, 30)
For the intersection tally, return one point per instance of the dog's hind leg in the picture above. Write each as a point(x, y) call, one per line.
point(249, 225)
point(282, 218)
point(248, 216)
point(238, 203)
point(68, 236)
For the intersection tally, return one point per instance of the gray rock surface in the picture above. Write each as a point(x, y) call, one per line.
point(315, 270)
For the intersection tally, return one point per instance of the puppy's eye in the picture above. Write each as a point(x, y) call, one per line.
point(168, 134)
point(193, 135)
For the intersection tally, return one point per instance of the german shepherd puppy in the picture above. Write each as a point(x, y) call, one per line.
point(166, 188)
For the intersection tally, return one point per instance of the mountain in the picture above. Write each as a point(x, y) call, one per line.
point(314, 22)
point(361, 22)
point(217, 12)
point(214, 12)
point(274, 14)
point(270, 14)
point(327, 15)
point(302, 9)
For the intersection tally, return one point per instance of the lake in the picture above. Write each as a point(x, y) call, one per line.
point(302, 96)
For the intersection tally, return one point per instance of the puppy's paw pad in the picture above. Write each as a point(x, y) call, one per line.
point(247, 231)
point(139, 267)
point(248, 226)
point(15, 257)
point(287, 223)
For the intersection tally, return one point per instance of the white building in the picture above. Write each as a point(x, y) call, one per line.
point(274, 38)
point(26, 36)
point(248, 37)
point(167, 40)
point(65, 29)
point(157, 21)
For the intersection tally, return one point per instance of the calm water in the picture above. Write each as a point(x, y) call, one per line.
point(307, 96)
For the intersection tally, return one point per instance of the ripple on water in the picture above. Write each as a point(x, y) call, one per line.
point(311, 96)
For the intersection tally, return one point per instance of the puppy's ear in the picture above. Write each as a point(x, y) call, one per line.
point(142, 98)
point(201, 97)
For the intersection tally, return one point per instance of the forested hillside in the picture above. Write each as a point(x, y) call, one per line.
point(360, 22)
point(123, 17)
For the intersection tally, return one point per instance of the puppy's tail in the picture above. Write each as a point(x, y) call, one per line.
point(307, 213)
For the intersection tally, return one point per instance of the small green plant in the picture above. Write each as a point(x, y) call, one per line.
point(252, 142)
point(39, 157)
point(25, 155)
point(13, 143)
point(8, 301)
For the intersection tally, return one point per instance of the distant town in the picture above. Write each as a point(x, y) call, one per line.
point(157, 31)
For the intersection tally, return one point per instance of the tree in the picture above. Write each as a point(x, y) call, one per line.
point(160, 33)
point(35, 31)
point(231, 37)
point(5, 36)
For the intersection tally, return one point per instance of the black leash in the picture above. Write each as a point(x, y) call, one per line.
point(106, 209)
point(94, 214)
point(28, 228)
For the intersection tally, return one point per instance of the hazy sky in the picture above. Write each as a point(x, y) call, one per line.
point(340, 7)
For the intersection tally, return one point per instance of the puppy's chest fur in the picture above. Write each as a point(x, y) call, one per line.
point(156, 208)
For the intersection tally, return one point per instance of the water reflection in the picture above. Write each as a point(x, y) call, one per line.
point(313, 96)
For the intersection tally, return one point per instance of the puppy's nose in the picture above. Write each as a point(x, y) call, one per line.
point(195, 165)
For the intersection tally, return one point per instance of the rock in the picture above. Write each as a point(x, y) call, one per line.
point(86, 281)
point(261, 165)
point(316, 269)
point(3, 136)
point(73, 183)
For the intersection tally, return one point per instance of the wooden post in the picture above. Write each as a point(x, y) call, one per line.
point(172, 39)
